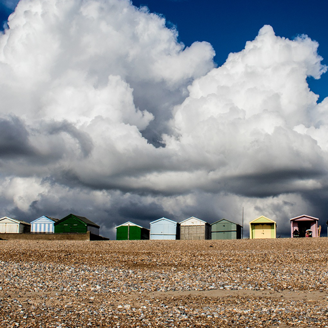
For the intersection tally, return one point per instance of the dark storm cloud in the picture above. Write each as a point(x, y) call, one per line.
point(136, 210)
point(14, 139)
point(272, 183)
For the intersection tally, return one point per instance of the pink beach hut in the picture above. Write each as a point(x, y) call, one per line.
point(300, 224)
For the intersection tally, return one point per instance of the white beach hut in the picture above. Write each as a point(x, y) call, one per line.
point(9, 225)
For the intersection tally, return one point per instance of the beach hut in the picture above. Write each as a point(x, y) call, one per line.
point(300, 224)
point(76, 224)
point(262, 227)
point(194, 229)
point(44, 224)
point(225, 229)
point(131, 231)
point(164, 228)
point(9, 225)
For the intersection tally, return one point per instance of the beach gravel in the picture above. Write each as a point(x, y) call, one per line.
point(236, 283)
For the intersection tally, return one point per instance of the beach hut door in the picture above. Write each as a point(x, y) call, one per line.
point(262, 231)
point(303, 226)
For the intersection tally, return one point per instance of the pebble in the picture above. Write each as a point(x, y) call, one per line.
point(239, 283)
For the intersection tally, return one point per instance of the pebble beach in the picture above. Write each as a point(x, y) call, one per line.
point(212, 283)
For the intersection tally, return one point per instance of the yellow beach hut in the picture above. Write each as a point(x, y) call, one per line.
point(262, 227)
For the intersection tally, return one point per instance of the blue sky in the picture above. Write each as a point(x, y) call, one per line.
point(227, 25)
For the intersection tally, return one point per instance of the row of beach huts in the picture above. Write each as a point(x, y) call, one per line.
point(197, 229)
point(45, 224)
point(165, 229)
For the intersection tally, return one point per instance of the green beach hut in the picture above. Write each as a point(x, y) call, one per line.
point(76, 224)
point(225, 229)
point(262, 227)
point(131, 231)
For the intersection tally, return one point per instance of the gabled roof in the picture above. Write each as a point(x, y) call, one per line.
point(7, 217)
point(45, 217)
point(129, 223)
point(23, 222)
point(14, 220)
point(262, 219)
point(82, 218)
point(193, 217)
point(163, 219)
point(225, 220)
point(304, 215)
point(52, 219)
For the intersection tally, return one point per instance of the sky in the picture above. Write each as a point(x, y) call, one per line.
point(124, 110)
point(228, 25)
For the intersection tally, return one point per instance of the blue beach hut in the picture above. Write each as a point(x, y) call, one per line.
point(164, 229)
point(44, 224)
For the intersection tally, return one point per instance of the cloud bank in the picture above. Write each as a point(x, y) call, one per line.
point(104, 113)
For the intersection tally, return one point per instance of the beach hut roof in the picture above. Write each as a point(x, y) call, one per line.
point(263, 219)
point(14, 220)
point(82, 218)
point(302, 216)
point(87, 221)
point(193, 217)
point(225, 220)
point(128, 223)
point(46, 217)
point(163, 219)
point(52, 219)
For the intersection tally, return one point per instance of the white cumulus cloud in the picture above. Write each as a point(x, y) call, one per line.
point(104, 113)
